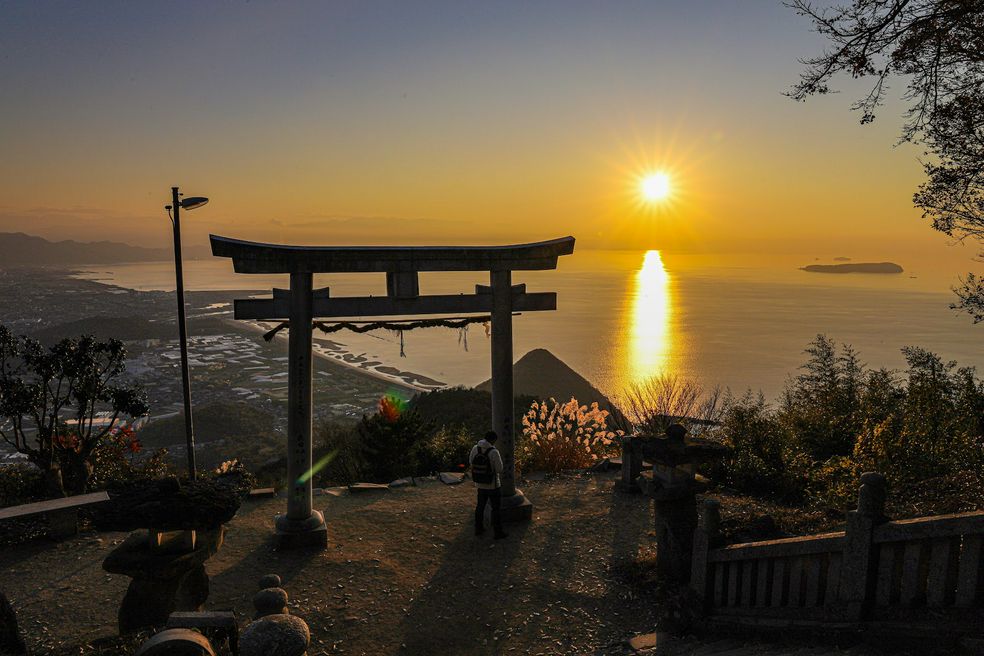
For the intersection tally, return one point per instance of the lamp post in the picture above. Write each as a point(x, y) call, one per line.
point(177, 204)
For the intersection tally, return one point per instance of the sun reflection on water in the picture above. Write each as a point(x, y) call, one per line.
point(650, 338)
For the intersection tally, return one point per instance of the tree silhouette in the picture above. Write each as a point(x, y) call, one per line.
point(50, 399)
point(938, 47)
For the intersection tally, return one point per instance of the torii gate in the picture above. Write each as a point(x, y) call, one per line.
point(302, 525)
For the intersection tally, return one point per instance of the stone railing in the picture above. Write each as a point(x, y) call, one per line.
point(927, 569)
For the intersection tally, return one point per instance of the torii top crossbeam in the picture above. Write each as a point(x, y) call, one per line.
point(254, 257)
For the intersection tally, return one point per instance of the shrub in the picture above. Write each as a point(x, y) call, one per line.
point(447, 450)
point(761, 460)
point(49, 399)
point(393, 443)
point(834, 482)
point(924, 429)
point(659, 401)
point(559, 436)
point(820, 408)
point(119, 459)
point(342, 455)
point(21, 483)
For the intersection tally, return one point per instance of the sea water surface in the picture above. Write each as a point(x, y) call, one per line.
point(734, 321)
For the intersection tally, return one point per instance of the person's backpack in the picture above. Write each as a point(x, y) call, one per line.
point(481, 467)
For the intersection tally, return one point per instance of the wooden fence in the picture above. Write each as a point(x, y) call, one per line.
point(925, 569)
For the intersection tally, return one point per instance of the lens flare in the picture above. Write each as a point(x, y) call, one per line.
point(316, 467)
point(391, 406)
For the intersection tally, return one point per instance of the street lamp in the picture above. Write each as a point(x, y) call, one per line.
point(177, 204)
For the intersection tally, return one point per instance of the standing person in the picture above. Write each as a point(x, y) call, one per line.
point(486, 468)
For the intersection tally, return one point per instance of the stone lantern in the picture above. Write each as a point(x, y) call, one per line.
point(673, 485)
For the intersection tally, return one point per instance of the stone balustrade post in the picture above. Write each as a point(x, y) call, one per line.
point(675, 515)
point(631, 464)
point(859, 565)
point(706, 534)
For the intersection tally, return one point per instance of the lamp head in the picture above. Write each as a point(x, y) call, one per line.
point(192, 202)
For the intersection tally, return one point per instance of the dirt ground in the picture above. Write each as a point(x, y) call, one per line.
point(403, 574)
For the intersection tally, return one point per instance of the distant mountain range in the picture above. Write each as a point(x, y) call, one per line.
point(16, 248)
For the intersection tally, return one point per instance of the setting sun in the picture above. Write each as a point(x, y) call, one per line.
point(655, 186)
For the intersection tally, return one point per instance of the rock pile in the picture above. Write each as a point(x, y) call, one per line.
point(274, 632)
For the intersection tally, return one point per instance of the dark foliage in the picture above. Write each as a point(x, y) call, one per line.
point(49, 399)
point(923, 429)
point(394, 448)
point(220, 420)
point(465, 409)
point(344, 454)
point(20, 484)
point(172, 504)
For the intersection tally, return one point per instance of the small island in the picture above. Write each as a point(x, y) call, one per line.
point(854, 267)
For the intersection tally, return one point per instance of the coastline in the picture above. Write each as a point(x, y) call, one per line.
point(409, 381)
point(403, 379)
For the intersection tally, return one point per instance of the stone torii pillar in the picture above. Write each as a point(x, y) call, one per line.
point(515, 505)
point(302, 525)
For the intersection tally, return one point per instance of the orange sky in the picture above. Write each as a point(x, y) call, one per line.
point(448, 123)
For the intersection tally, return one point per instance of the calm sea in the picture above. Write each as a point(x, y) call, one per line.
point(622, 316)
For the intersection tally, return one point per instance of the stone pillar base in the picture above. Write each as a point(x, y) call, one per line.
point(295, 534)
point(675, 522)
point(516, 508)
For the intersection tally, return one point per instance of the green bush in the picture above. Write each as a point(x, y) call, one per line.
point(446, 450)
point(119, 459)
point(820, 408)
point(761, 461)
point(462, 408)
point(342, 454)
point(394, 444)
point(923, 428)
point(21, 483)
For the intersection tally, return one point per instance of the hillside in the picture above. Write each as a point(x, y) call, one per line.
point(228, 429)
point(470, 409)
point(543, 375)
point(17, 248)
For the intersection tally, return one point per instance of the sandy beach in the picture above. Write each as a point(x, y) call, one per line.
point(323, 349)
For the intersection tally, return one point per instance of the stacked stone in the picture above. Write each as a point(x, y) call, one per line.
point(274, 631)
